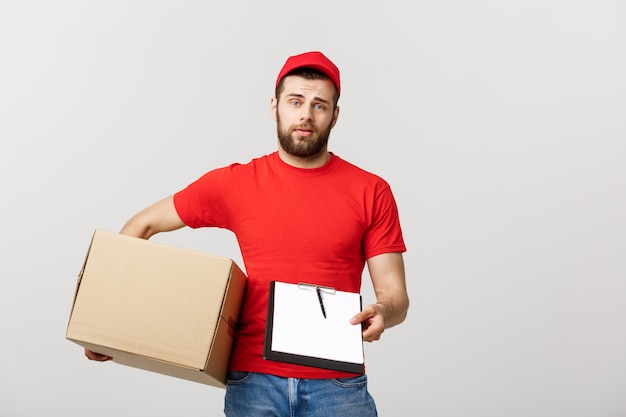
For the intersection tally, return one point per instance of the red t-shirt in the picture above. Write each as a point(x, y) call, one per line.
point(293, 225)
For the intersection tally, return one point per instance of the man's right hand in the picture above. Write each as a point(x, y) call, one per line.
point(93, 356)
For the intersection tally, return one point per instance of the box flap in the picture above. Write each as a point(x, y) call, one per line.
point(233, 297)
point(80, 276)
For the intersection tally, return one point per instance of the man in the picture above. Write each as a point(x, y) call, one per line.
point(301, 214)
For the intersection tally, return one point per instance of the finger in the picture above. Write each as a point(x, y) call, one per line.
point(360, 317)
point(372, 334)
point(96, 356)
point(100, 358)
point(356, 319)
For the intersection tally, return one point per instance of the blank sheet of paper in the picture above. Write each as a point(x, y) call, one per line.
point(300, 328)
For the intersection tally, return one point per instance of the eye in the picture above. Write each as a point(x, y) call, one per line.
point(294, 102)
point(320, 107)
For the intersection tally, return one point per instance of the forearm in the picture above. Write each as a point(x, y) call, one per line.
point(139, 226)
point(160, 217)
point(392, 301)
point(393, 308)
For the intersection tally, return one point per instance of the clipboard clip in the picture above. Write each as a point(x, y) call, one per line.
point(318, 290)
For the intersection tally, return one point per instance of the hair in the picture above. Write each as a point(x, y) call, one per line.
point(309, 74)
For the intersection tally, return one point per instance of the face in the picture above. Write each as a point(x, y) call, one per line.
point(305, 114)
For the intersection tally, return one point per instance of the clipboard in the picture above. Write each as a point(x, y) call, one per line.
point(309, 325)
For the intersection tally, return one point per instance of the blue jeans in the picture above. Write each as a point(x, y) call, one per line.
point(258, 395)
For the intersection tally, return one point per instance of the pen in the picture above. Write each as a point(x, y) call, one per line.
point(319, 297)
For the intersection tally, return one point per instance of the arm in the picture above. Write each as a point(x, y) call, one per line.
point(159, 217)
point(392, 301)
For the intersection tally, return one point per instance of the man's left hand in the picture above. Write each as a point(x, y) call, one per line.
point(372, 320)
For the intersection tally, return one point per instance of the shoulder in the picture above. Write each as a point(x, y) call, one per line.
point(242, 168)
point(348, 168)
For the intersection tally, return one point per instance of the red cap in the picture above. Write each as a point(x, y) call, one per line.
point(315, 60)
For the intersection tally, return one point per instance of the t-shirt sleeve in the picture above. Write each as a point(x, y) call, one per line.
point(384, 234)
point(201, 203)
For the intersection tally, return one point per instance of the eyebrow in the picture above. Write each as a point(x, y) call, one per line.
point(302, 96)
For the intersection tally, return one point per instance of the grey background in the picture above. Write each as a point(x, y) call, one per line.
point(500, 126)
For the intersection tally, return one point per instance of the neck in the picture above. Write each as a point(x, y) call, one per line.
point(308, 162)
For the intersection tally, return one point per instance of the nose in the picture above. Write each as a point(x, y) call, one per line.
point(305, 113)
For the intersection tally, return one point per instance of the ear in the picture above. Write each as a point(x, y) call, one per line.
point(273, 107)
point(335, 117)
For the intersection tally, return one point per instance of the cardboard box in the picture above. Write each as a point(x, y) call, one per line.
point(157, 307)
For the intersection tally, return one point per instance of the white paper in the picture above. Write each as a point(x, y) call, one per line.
point(300, 327)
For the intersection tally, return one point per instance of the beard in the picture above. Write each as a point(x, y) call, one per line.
point(300, 146)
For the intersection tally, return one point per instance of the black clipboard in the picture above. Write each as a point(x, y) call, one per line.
point(309, 325)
